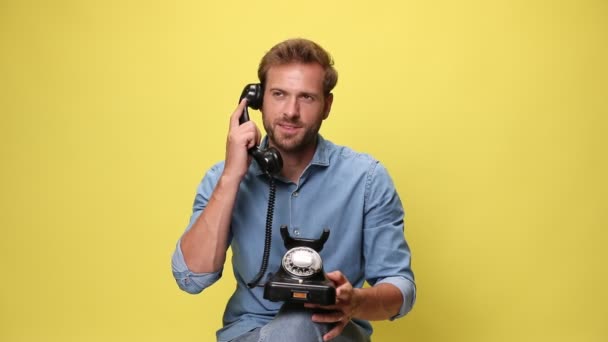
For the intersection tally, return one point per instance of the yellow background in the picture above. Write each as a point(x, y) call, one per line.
point(489, 115)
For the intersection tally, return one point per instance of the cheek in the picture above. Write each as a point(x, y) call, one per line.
point(313, 114)
point(271, 109)
point(274, 104)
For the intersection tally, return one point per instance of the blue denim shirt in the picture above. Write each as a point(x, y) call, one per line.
point(347, 192)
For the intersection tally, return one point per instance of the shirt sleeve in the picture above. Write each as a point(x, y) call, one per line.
point(408, 293)
point(387, 254)
point(187, 280)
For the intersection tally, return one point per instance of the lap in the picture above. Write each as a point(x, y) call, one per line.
point(294, 324)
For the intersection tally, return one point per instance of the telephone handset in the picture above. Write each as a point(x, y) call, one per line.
point(268, 159)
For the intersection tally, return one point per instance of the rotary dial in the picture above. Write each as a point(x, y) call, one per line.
point(302, 261)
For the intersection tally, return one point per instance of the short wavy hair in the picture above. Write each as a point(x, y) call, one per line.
point(300, 50)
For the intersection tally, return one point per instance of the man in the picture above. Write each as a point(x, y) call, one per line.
point(321, 186)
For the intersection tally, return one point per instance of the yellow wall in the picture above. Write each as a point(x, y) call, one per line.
point(490, 116)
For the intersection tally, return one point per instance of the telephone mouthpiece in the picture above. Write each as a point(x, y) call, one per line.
point(274, 162)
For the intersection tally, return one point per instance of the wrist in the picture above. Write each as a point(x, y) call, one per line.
point(230, 179)
point(359, 297)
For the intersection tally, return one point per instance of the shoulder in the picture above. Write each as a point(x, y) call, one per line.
point(351, 163)
point(347, 157)
point(216, 169)
point(211, 177)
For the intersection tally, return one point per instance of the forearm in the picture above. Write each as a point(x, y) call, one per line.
point(379, 302)
point(204, 245)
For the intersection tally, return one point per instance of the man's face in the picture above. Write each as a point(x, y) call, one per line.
point(294, 106)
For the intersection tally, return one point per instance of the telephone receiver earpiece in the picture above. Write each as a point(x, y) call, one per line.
point(269, 159)
point(254, 94)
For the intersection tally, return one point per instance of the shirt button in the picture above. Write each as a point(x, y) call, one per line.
point(295, 194)
point(296, 232)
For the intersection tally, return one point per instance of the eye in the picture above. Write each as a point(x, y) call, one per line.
point(307, 97)
point(276, 93)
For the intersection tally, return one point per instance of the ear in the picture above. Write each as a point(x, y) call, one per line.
point(329, 99)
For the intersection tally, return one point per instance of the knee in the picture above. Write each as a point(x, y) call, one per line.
point(294, 324)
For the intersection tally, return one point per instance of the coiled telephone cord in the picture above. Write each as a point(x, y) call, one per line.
point(268, 234)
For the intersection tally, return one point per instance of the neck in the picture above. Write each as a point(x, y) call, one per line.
point(295, 162)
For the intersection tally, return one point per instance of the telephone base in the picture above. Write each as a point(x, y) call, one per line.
point(288, 290)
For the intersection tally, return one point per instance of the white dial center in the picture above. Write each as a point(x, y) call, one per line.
point(302, 259)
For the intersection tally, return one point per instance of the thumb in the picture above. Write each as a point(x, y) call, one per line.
point(336, 276)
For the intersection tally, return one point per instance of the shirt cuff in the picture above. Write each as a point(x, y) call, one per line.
point(187, 280)
point(408, 291)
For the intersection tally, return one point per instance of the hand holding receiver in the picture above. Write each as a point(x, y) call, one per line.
point(240, 139)
point(269, 159)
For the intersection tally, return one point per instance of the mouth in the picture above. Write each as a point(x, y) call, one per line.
point(288, 127)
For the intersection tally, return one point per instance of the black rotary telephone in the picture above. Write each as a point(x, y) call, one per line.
point(301, 278)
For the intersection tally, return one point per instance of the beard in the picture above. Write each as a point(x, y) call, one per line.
point(305, 138)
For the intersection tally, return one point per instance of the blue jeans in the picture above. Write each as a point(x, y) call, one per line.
point(294, 323)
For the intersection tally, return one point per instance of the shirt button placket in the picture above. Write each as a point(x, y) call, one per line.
point(296, 230)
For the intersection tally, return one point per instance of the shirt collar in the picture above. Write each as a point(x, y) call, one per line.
point(321, 156)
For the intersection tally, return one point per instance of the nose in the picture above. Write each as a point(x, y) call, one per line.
point(292, 107)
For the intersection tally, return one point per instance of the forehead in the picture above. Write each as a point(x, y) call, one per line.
point(296, 76)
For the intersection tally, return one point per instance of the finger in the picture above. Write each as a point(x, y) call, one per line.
point(252, 139)
point(329, 317)
point(344, 292)
point(337, 277)
point(343, 286)
point(337, 306)
point(312, 306)
point(335, 332)
point(236, 115)
point(258, 135)
point(246, 134)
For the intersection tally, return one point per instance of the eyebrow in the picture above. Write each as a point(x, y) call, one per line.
point(311, 94)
